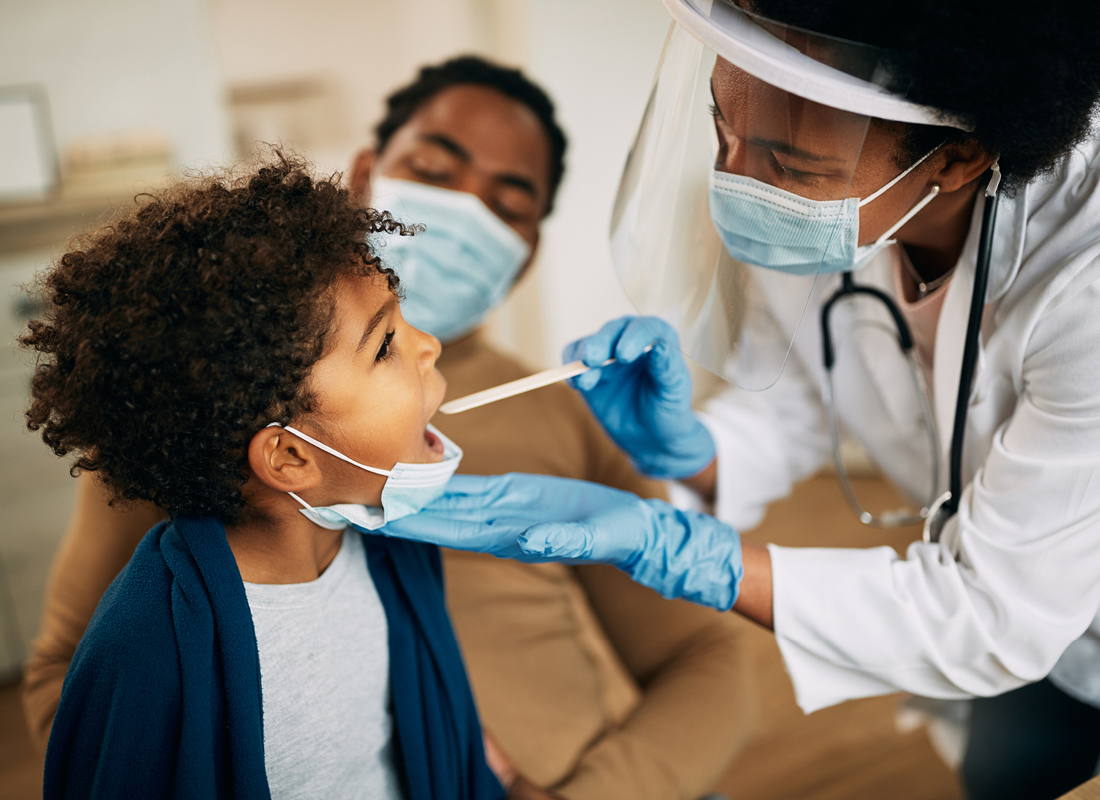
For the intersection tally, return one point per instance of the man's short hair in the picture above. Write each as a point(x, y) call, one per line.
point(466, 70)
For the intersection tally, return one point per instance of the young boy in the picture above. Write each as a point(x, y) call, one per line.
point(233, 351)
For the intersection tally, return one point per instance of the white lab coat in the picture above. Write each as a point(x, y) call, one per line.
point(1015, 580)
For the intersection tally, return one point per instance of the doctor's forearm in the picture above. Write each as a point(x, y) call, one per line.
point(755, 598)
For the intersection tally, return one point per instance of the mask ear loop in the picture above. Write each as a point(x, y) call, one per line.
point(303, 503)
point(928, 198)
point(891, 184)
point(328, 450)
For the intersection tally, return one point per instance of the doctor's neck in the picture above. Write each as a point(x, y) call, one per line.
point(934, 238)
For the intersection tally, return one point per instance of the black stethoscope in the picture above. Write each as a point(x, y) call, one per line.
point(939, 510)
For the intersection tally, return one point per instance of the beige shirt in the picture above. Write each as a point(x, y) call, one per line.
point(595, 686)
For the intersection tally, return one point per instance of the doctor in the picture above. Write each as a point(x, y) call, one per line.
point(897, 220)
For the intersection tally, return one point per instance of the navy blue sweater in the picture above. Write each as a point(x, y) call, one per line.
point(162, 699)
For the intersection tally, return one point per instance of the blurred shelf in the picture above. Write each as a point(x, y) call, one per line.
point(77, 206)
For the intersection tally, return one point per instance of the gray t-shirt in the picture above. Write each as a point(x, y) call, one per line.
point(324, 673)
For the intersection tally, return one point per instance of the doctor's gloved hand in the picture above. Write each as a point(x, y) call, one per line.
point(539, 518)
point(643, 400)
point(678, 554)
point(488, 514)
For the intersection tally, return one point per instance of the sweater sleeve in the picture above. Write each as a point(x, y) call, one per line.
point(693, 716)
point(97, 544)
point(687, 660)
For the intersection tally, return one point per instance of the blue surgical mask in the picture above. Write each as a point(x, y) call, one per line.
point(772, 228)
point(459, 267)
point(409, 487)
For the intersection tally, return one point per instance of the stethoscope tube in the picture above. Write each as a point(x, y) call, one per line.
point(970, 354)
point(948, 503)
point(848, 286)
point(889, 519)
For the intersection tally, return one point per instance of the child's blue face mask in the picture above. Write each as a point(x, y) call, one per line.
point(459, 267)
point(775, 229)
point(409, 487)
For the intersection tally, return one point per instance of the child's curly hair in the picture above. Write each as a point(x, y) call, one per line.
point(175, 333)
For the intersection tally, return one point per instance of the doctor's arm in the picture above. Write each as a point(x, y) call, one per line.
point(679, 553)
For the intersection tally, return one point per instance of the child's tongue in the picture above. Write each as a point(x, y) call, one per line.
point(434, 442)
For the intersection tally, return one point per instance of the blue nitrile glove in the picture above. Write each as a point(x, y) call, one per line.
point(643, 400)
point(538, 518)
point(488, 514)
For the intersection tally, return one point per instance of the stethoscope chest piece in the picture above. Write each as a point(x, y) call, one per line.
point(938, 513)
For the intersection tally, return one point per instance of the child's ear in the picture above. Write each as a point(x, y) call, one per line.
point(359, 174)
point(282, 461)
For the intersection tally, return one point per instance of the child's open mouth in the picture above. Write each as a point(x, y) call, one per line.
point(434, 442)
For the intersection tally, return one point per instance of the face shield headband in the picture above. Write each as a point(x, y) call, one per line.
point(710, 191)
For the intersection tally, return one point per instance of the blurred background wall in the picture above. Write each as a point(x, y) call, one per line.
point(317, 79)
point(132, 90)
point(135, 90)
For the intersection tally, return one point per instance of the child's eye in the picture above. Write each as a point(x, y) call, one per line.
point(384, 350)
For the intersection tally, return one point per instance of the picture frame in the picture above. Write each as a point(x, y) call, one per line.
point(29, 170)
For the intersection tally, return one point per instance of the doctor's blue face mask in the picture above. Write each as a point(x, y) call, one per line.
point(459, 267)
point(776, 229)
point(409, 487)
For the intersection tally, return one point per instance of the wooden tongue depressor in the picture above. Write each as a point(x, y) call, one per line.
point(512, 388)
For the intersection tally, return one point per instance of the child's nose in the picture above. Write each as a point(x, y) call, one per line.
point(429, 349)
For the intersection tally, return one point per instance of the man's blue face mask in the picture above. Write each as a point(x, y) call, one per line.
point(775, 229)
point(459, 267)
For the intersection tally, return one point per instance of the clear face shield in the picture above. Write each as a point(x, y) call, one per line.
point(746, 176)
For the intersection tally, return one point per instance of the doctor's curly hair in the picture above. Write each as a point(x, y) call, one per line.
point(1025, 75)
point(175, 333)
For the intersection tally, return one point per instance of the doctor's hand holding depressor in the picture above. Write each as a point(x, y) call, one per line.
point(643, 400)
point(679, 554)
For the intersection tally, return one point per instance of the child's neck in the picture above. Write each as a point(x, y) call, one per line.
point(284, 548)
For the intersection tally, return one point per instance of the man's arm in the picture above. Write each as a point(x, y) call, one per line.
point(687, 660)
point(694, 714)
point(98, 542)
